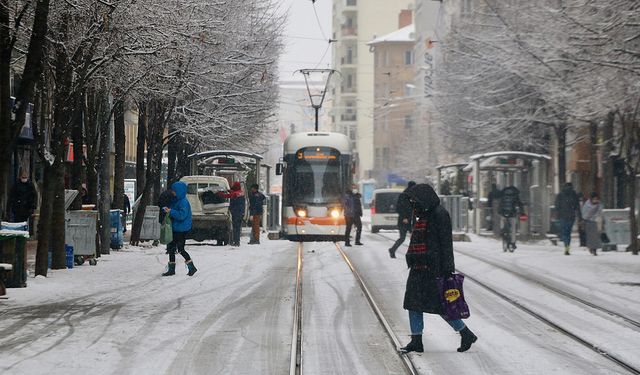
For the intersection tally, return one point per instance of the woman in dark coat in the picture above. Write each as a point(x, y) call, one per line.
point(430, 256)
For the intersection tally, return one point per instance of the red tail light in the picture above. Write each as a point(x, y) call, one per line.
point(373, 207)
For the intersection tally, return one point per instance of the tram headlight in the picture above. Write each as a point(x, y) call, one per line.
point(335, 213)
point(301, 212)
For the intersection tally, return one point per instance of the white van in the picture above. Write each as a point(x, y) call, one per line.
point(210, 213)
point(383, 209)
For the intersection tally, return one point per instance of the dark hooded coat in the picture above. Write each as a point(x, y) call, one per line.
point(430, 253)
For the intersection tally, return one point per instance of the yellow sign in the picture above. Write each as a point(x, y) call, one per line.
point(451, 295)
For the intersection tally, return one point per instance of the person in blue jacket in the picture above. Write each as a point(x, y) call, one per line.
point(180, 214)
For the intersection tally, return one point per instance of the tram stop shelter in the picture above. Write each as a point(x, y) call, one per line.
point(451, 179)
point(529, 172)
point(231, 162)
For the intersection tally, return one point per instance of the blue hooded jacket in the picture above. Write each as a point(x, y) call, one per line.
point(180, 208)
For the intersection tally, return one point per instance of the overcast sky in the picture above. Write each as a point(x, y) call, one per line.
point(304, 39)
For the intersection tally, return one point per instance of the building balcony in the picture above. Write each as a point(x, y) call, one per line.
point(348, 117)
point(346, 60)
point(349, 31)
point(345, 90)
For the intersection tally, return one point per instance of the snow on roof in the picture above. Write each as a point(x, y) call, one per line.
point(406, 34)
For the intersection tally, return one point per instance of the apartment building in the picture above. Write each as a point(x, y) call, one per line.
point(355, 23)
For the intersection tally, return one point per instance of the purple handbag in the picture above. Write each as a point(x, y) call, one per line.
point(452, 297)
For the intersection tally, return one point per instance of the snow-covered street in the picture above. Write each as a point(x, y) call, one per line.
point(235, 315)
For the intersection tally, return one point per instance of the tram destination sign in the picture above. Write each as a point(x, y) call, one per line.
point(317, 153)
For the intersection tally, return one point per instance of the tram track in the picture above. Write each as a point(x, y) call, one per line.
point(408, 365)
point(296, 363)
point(556, 326)
point(555, 290)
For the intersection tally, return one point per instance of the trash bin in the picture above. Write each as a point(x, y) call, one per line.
point(150, 225)
point(80, 232)
point(12, 251)
point(69, 255)
point(117, 235)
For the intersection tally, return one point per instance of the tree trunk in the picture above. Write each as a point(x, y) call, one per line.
point(44, 223)
point(77, 135)
point(633, 220)
point(142, 138)
point(91, 128)
point(104, 174)
point(593, 155)
point(58, 214)
point(119, 160)
point(154, 160)
point(607, 162)
point(10, 129)
point(173, 148)
point(561, 134)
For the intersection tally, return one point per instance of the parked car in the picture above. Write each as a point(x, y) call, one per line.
point(210, 213)
point(383, 209)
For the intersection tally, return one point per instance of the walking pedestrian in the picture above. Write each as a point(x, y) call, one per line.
point(126, 212)
point(429, 257)
point(591, 217)
point(23, 198)
point(237, 207)
point(567, 208)
point(256, 210)
point(180, 214)
point(353, 216)
point(405, 216)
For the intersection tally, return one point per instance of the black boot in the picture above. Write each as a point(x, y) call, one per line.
point(191, 267)
point(171, 269)
point(414, 346)
point(467, 339)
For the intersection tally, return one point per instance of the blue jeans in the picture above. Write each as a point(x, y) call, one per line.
point(416, 321)
point(566, 225)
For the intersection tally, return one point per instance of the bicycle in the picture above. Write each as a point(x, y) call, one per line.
point(509, 235)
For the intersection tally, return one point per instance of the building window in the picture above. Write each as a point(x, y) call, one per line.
point(408, 122)
point(352, 3)
point(408, 57)
point(385, 157)
point(467, 7)
point(386, 58)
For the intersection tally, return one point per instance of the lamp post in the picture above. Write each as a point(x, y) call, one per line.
point(317, 97)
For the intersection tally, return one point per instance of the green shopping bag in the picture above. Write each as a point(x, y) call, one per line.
point(166, 233)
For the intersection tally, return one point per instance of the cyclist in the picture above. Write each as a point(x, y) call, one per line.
point(510, 207)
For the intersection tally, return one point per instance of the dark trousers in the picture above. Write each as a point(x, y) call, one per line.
point(237, 229)
point(403, 228)
point(351, 221)
point(566, 225)
point(179, 239)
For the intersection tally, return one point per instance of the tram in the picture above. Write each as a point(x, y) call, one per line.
point(316, 173)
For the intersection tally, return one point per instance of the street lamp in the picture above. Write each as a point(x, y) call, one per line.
point(317, 93)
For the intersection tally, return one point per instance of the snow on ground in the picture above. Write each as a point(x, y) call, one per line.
point(122, 317)
point(234, 316)
point(511, 342)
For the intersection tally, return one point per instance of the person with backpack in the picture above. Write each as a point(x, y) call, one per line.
point(509, 208)
point(180, 213)
point(405, 216)
point(567, 206)
point(429, 257)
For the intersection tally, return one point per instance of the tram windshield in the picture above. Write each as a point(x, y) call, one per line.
point(315, 176)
